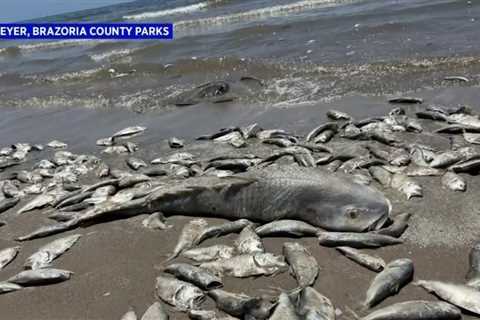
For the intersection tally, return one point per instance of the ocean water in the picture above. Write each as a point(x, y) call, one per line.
point(304, 50)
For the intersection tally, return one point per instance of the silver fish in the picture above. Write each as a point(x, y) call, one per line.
point(374, 263)
point(136, 163)
point(285, 309)
point(248, 242)
point(389, 282)
point(465, 297)
point(40, 277)
point(454, 182)
point(175, 143)
point(338, 115)
point(216, 252)
point(182, 295)
point(303, 264)
point(188, 236)
point(312, 305)
point(287, 227)
point(49, 252)
point(223, 229)
point(128, 132)
point(200, 277)
point(416, 310)
point(7, 255)
point(57, 144)
point(155, 221)
point(356, 240)
point(247, 265)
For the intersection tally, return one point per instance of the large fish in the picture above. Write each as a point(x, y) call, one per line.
point(278, 192)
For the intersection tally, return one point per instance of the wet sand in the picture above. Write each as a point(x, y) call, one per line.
point(116, 263)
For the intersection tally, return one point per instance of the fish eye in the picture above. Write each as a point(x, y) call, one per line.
point(352, 213)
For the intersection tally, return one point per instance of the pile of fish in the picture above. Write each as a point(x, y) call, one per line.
point(330, 184)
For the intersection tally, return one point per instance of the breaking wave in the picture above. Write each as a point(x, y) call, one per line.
point(173, 11)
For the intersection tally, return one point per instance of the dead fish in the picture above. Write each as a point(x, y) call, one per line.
point(473, 275)
point(248, 242)
point(460, 295)
point(473, 138)
point(45, 164)
point(250, 131)
point(175, 143)
point(61, 216)
point(8, 203)
point(7, 255)
point(324, 137)
point(381, 175)
point(155, 312)
point(49, 230)
point(6, 287)
point(407, 100)
point(76, 197)
point(330, 126)
point(416, 310)
point(389, 282)
point(374, 263)
point(338, 115)
point(115, 150)
point(200, 277)
point(155, 222)
point(469, 166)
point(312, 305)
point(247, 265)
point(182, 295)
point(37, 203)
point(106, 142)
point(215, 252)
point(303, 265)
point(454, 182)
point(456, 78)
point(130, 146)
point(406, 185)
point(154, 172)
point(49, 252)
point(188, 236)
point(129, 315)
point(285, 310)
point(446, 159)
point(356, 240)
point(398, 227)
point(57, 144)
point(128, 132)
point(223, 229)
point(136, 163)
point(40, 277)
point(287, 227)
point(234, 138)
point(237, 305)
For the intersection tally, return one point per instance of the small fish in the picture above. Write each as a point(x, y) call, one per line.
point(175, 143)
point(39, 202)
point(287, 227)
point(398, 227)
point(136, 163)
point(130, 315)
point(374, 263)
point(49, 230)
point(285, 309)
point(6, 287)
point(406, 185)
point(324, 137)
point(40, 277)
point(312, 305)
point(234, 138)
point(454, 182)
point(473, 275)
point(416, 310)
point(115, 150)
point(223, 229)
point(338, 115)
point(407, 100)
point(155, 312)
point(155, 222)
point(248, 242)
point(329, 126)
point(389, 282)
point(57, 144)
point(202, 278)
point(243, 266)
point(460, 295)
point(303, 265)
point(446, 159)
point(234, 304)
point(49, 252)
point(182, 295)
point(456, 78)
point(188, 236)
point(215, 252)
point(356, 240)
point(7, 255)
point(128, 132)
